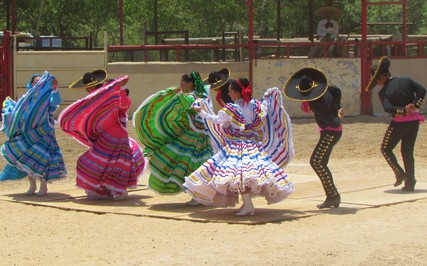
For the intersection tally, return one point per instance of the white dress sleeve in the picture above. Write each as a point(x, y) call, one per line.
point(222, 118)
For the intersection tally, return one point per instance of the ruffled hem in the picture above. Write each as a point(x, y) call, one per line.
point(238, 166)
point(165, 193)
point(104, 188)
point(226, 194)
point(11, 173)
point(36, 152)
point(100, 189)
point(164, 186)
point(277, 129)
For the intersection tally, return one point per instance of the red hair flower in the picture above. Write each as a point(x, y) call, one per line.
point(246, 92)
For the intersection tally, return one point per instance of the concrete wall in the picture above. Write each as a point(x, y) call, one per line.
point(414, 68)
point(343, 73)
point(66, 66)
point(148, 78)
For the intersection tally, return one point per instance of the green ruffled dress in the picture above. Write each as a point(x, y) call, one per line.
point(175, 139)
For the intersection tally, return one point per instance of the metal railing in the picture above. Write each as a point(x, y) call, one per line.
point(267, 48)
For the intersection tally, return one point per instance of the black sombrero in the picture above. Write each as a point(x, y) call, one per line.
point(90, 79)
point(378, 70)
point(307, 84)
point(217, 79)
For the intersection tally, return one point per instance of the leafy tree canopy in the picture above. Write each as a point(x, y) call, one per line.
point(202, 18)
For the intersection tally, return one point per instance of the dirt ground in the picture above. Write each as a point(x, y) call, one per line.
point(387, 235)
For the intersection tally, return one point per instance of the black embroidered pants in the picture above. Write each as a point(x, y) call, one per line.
point(407, 133)
point(320, 158)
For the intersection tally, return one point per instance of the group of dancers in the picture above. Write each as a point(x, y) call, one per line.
point(241, 151)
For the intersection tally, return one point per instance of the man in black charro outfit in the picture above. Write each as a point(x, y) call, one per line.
point(309, 86)
point(401, 97)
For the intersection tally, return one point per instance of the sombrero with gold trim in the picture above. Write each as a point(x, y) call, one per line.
point(307, 84)
point(90, 79)
point(378, 70)
point(217, 79)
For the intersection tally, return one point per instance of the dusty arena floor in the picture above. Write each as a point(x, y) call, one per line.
point(376, 224)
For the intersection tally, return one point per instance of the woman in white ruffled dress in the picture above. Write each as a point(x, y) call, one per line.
point(253, 143)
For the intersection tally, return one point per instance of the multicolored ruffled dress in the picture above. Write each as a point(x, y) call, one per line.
point(114, 161)
point(175, 138)
point(32, 148)
point(248, 153)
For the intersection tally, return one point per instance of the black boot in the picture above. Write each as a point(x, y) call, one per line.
point(399, 179)
point(409, 185)
point(331, 202)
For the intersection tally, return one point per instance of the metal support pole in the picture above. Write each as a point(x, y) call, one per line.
point(13, 17)
point(310, 21)
point(279, 22)
point(156, 27)
point(7, 14)
point(404, 32)
point(366, 107)
point(121, 20)
point(251, 38)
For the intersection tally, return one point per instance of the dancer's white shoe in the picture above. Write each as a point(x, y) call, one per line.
point(248, 207)
point(122, 196)
point(43, 188)
point(193, 202)
point(33, 186)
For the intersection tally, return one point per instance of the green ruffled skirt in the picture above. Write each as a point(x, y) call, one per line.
point(176, 142)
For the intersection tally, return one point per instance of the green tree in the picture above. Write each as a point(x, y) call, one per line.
point(202, 18)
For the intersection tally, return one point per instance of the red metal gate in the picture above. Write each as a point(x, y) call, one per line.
point(366, 107)
point(5, 67)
